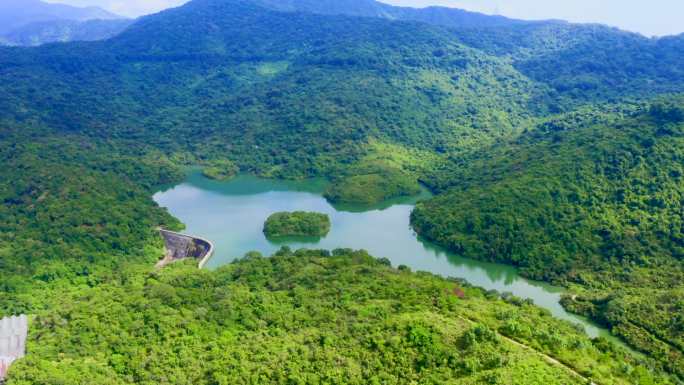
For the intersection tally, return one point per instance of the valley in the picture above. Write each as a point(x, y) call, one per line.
point(231, 215)
point(491, 179)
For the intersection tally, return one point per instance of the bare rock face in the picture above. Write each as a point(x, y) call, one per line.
point(180, 246)
point(13, 334)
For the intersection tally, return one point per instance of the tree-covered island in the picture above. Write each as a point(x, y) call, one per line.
point(297, 224)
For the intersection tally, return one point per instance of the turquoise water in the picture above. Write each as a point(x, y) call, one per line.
point(231, 214)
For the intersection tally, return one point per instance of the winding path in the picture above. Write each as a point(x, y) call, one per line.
point(544, 356)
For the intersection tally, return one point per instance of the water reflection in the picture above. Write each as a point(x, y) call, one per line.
point(494, 271)
point(232, 215)
point(289, 240)
point(250, 185)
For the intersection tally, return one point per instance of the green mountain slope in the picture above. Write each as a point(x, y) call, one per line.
point(581, 62)
point(214, 75)
point(585, 63)
point(593, 198)
point(609, 65)
point(590, 198)
point(78, 252)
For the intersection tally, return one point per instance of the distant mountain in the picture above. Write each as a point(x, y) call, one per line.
point(581, 61)
point(33, 22)
point(18, 13)
point(43, 32)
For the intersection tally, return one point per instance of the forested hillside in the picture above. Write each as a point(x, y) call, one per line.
point(79, 246)
point(551, 146)
point(213, 78)
point(319, 91)
point(74, 212)
point(306, 317)
point(580, 62)
point(592, 198)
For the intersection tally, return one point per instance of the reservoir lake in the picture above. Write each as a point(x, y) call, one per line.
point(231, 214)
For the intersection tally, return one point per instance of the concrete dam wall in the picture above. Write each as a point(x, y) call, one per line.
point(180, 246)
point(13, 334)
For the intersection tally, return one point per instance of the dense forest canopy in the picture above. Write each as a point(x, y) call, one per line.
point(551, 146)
point(297, 224)
point(593, 199)
point(228, 85)
point(211, 77)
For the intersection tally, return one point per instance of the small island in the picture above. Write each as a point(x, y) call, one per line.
point(297, 224)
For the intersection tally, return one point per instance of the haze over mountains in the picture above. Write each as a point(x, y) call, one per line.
point(33, 22)
point(551, 146)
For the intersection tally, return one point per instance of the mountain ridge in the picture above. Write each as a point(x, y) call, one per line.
point(444, 16)
point(63, 31)
point(35, 22)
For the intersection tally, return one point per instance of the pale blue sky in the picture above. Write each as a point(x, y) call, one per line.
point(650, 17)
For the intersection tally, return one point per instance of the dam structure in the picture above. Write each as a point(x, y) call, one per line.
point(13, 334)
point(181, 246)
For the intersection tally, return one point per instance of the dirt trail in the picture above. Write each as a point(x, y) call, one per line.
point(544, 356)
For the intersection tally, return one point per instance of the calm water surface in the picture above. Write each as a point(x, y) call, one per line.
point(231, 214)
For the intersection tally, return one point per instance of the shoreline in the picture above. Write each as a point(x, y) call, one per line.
point(487, 275)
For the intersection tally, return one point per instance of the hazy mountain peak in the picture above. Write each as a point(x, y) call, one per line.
point(18, 13)
point(436, 15)
point(347, 7)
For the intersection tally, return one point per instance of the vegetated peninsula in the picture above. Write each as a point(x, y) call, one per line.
point(371, 185)
point(297, 224)
point(221, 170)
